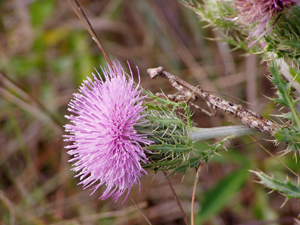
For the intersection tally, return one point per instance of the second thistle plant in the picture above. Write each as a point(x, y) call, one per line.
point(258, 14)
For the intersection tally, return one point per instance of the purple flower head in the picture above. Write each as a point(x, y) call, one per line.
point(260, 12)
point(106, 147)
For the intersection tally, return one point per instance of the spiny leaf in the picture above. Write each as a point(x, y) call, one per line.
point(288, 116)
point(290, 134)
point(296, 74)
point(190, 163)
point(285, 134)
point(283, 93)
point(286, 188)
point(220, 144)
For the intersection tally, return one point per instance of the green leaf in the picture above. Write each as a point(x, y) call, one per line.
point(191, 163)
point(283, 93)
point(285, 188)
point(288, 116)
point(220, 194)
point(294, 44)
point(288, 135)
point(295, 73)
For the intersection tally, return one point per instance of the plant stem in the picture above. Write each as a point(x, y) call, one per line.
point(194, 193)
point(200, 134)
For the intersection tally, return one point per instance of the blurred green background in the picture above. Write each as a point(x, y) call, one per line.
point(46, 53)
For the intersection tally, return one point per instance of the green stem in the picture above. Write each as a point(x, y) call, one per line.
point(200, 134)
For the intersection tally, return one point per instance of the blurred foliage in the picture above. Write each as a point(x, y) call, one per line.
point(45, 53)
point(221, 193)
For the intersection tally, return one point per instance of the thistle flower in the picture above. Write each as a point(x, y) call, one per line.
point(258, 13)
point(106, 147)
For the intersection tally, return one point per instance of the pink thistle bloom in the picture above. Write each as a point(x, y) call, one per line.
point(260, 12)
point(106, 147)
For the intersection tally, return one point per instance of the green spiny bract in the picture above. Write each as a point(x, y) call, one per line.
point(223, 16)
point(284, 40)
point(172, 148)
point(214, 12)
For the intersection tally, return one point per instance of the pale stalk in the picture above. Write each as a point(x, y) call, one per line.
point(200, 134)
